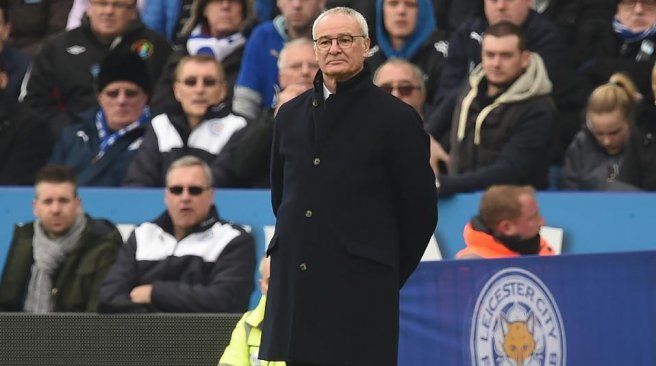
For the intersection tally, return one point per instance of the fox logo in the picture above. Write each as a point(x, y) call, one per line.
point(516, 322)
point(518, 342)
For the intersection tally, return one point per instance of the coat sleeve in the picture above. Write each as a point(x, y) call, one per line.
point(41, 91)
point(632, 165)
point(413, 183)
point(277, 165)
point(145, 170)
point(570, 175)
point(107, 257)
point(248, 95)
point(114, 291)
point(227, 290)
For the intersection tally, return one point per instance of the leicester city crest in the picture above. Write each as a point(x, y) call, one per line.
point(516, 322)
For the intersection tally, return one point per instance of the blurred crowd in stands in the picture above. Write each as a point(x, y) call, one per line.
point(212, 77)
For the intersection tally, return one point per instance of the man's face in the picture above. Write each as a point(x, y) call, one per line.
point(529, 222)
point(56, 206)
point(401, 81)
point(636, 15)
point(199, 85)
point(339, 62)
point(299, 14)
point(502, 60)
point(122, 102)
point(266, 274)
point(514, 11)
point(223, 16)
point(110, 18)
point(299, 66)
point(400, 17)
point(186, 209)
point(611, 130)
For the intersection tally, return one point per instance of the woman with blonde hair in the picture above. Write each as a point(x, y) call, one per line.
point(596, 154)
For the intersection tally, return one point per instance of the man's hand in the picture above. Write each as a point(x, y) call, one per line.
point(141, 294)
point(437, 154)
point(289, 93)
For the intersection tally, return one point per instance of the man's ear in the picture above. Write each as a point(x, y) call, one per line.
point(526, 59)
point(504, 227)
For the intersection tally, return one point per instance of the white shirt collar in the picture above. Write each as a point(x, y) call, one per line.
point(326, 92)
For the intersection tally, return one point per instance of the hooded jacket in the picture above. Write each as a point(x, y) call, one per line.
point(508, 141)
point(426, 47)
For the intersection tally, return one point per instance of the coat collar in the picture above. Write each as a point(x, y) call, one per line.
point(360, 81)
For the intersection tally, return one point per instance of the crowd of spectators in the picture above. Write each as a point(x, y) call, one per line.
point(51, 69)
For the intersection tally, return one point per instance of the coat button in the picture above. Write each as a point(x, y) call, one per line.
point(302, 267)
point(314, 103)
point(316, 161)
point(54, 291)
point(308, 213)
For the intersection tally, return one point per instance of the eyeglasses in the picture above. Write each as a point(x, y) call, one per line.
point(129, 93)
point(344, 41)
point(193, 190)
point(207, 82)
point(404, 90)
point(115, 5)
point(632, 3)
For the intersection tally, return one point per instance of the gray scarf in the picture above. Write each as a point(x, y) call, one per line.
point(49, 254)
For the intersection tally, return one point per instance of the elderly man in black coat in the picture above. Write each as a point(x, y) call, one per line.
point(355, 201)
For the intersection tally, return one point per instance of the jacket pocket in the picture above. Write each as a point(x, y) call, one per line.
point(371, 252)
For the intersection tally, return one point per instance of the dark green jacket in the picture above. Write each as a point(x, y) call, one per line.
point(75, 285)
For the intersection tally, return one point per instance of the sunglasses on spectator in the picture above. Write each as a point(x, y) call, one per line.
point(129, 93)
point(193, 190)
point(404, 90)
point(651, 3)
point(192, 81)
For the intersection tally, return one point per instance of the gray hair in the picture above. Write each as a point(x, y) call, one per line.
point(282, 57)
point(188, 161)
point(416, 71)
point(343, 11)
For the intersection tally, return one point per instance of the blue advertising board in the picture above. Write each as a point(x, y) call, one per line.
point(592, 309)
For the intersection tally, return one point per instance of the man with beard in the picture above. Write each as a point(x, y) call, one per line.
point(508, 225)
point(504, 122)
